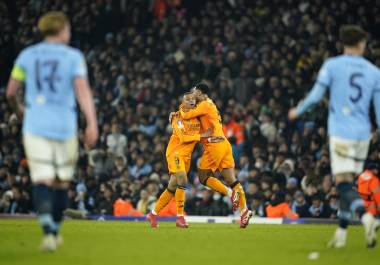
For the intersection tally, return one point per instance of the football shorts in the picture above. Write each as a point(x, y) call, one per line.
point(178, 163)
point(49, 159)
point(217, 156)
point(347, 156)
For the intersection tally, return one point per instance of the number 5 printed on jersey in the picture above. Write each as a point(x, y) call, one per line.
point(354, 85)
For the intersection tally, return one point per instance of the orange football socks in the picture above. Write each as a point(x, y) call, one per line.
point(216, 185)
point(180, 199)
point(164, 199)
point(242, 200)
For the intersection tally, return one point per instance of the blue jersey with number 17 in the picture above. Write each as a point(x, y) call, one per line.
point(353, 82)
point(48, 71)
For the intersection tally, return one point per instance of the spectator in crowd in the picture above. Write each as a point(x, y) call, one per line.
point(145, 204)
point(279, 208)
point(106, 200)
point(116, 141)
point(300, 206)
point(318, 209)
point(140, 168)
point(257, 206)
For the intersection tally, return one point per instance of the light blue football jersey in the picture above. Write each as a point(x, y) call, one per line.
point(49, 71)
point(353, 83)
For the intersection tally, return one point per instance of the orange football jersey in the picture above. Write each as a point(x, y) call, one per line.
point(208, 115)
point(186, 133)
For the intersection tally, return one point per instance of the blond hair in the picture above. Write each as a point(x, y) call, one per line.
point(52, 23)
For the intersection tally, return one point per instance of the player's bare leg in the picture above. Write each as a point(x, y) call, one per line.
point(245, 214)
point(162, 201)
point(350, 204)
point(207, 178)
point(180, 194)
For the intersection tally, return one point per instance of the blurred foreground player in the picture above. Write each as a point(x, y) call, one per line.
point(186, 134)
point(54, 75)
point(353, 82)
point(369, 189)
point(216, 156)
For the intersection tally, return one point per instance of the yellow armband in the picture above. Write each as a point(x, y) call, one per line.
point(18, 73)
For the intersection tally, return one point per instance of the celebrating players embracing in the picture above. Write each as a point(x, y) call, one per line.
point(216, 156)
point(186, 134)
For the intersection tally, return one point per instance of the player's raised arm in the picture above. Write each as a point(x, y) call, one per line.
point(315, 95)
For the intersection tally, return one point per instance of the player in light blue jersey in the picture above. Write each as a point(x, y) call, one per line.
point(54, 76)
point(353, 83)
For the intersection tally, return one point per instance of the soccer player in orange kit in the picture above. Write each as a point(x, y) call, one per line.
point(369, 189)
point(216, 156)
point(186, 134)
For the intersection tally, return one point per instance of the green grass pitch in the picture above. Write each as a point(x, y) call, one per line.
point(124, 243)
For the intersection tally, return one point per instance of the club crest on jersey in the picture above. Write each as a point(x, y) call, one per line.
point(180, 124)
point(176, 161)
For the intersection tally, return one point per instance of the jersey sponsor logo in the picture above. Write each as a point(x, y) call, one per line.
point(193, 126)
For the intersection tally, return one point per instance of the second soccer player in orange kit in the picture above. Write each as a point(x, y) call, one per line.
point(216, 156)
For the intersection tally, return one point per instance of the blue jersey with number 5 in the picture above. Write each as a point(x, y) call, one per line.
point(50, 105)
point(353, 82)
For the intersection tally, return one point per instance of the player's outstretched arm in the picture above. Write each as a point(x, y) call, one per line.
point(315, 96)
point(86, 103)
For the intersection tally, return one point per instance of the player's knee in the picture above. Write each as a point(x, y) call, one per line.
point(203, 176)
point(347, 194)
point(228, 175)
point(181, 179)
point(172, 185)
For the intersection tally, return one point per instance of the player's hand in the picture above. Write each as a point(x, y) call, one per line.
point(171, 115)
point(215, 139)
point(206, 133)
point(20, 111)
point(91, 135)
point(292, 115)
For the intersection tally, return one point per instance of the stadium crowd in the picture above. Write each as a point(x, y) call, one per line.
point(259, 57)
